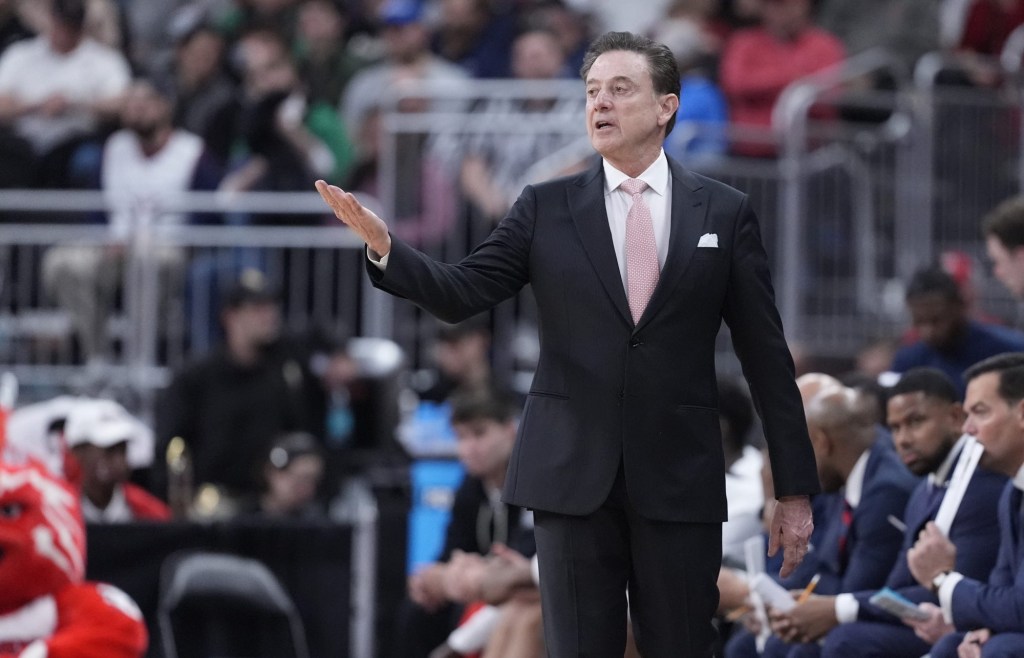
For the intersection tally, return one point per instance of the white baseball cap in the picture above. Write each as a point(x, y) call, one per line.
point(102, 423)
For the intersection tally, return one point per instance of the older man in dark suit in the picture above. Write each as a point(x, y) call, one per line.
point(634, 265)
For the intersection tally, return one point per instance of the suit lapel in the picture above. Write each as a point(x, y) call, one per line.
point(587, 207)
point(689, 209)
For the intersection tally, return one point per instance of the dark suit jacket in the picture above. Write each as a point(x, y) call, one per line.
point(872, 541)
point(975, 533)
point(606, 391)
point(998, 605)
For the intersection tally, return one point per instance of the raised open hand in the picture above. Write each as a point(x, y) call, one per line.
point(366, 224)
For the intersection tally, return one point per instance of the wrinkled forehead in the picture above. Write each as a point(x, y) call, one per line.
point(619, 65)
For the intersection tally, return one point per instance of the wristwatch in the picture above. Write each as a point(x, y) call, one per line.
point(938, 580)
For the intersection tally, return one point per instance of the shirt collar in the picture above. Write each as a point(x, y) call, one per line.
point(1018, 479)
point(656, 176)
point(941, 474)
point(855, 481)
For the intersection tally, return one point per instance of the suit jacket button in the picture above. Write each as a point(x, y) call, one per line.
point(636, 342)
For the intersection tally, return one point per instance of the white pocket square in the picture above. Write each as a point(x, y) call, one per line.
point(708, 240)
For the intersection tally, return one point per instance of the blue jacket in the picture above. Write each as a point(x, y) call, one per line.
point(999, 604)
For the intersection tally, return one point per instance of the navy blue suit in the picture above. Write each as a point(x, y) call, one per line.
point(975, 533)
point(999, 604)
point(872, 542)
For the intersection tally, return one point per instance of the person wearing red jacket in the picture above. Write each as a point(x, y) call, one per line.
point(47, 610)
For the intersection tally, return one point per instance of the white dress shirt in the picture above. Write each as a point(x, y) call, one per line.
point(658, 196)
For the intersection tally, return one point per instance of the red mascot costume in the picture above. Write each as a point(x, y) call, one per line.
point(46, 609)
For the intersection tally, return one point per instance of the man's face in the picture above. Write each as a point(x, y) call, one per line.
point(102, 468)
point(923, 428)
point(254, 323)
point(295, 485)
point(996, 424)
point(144, 110)
point(536, 56)
point(625, 116)
point(937, 320)
point(484, 446)
point(1007, 265)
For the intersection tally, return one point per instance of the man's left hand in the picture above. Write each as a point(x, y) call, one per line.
point(792, 524)
point(933, 628)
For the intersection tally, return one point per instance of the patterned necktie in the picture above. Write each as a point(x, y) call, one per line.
point(641, 251)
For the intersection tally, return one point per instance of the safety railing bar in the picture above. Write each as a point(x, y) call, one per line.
point(91, 200)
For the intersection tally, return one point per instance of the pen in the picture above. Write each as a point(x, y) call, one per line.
point(806, 594)
point(896, 523)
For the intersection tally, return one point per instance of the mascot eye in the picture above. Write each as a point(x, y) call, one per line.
point(10, 511)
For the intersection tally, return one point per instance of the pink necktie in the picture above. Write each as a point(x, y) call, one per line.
point(641, 251)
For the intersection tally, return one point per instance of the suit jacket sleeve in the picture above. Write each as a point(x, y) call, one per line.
point(760, 344)
point(494, 271)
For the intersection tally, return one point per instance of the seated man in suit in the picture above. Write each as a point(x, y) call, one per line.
point(925, 416)
point(857, 545)
point(992, 612)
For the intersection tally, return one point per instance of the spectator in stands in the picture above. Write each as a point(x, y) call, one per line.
point(287, 141)
point(230, 405)
point(237, 18)
point(207, 99)
point(569, 25)
point(424, 192)
point(471, 34)
point(485, 426)
point(97, 433)
point(988, 25)
point(57, 89)
point(292, 474)
point(947, 338)
point(991, 612)
point(699, 133)
point(146, 161)
point(462, 354)
point(925, 417)
point(759, 63)
point(326, 64)
point(857, 546)
point(1003, 229)
point(497, 165)
point(743, 487)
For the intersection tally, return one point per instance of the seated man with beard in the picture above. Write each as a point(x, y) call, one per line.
point(146, 161)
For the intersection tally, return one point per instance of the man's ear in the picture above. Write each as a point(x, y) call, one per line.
point(669, 105)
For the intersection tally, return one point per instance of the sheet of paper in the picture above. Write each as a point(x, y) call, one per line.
point(772, 593)
point(968, 461)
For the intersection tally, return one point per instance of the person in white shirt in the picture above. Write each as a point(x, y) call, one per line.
point(145, 162)
point(58, 88)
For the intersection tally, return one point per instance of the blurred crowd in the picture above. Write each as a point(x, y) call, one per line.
point(271, 94)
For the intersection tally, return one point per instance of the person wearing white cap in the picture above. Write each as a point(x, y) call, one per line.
point(97, 433)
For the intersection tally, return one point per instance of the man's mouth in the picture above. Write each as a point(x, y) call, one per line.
point(602, 124)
